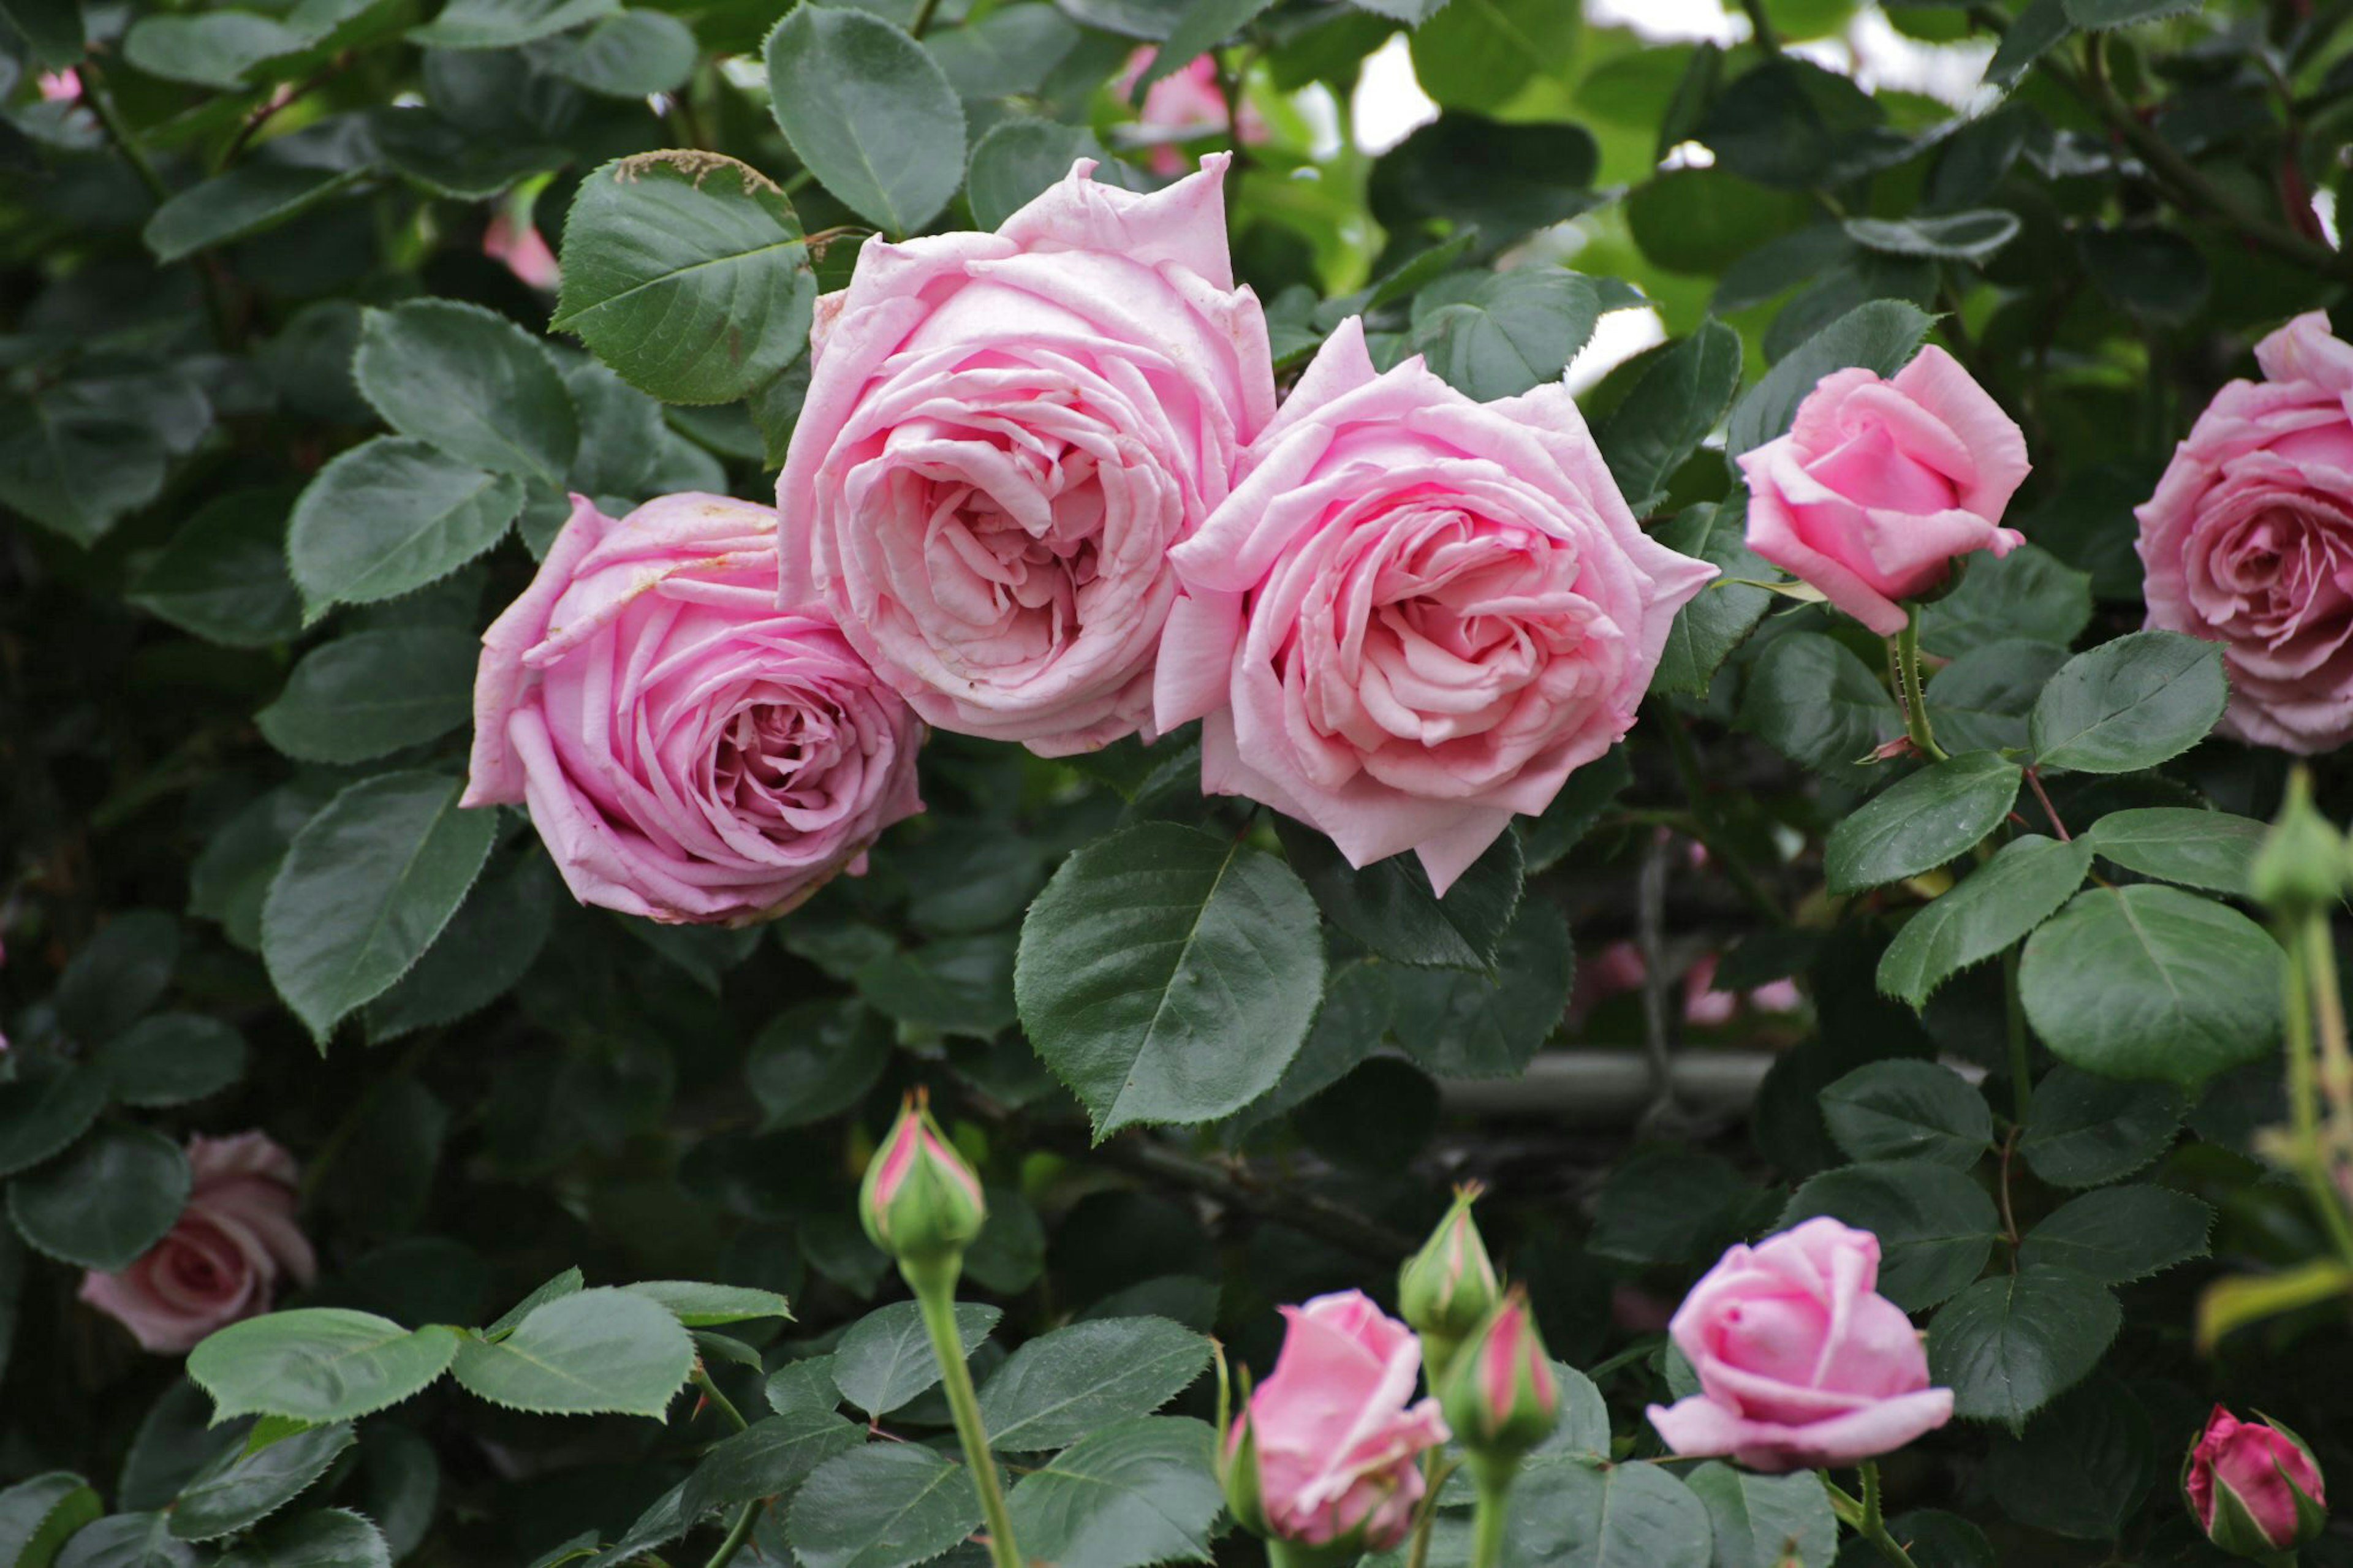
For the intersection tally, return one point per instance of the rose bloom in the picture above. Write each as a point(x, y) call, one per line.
point(225, 1253)
point(1003, 435)
point(1418, 614)
point(1802, 1364)
point(1339, 1442)
point(1880, 484)
point(2248, 541)
point(1180, 106)
point(2263, 1468)
point(689, 752)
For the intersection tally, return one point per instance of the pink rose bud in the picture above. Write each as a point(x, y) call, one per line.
point(1003, 435)
point(1446, 1290)
point(1500, 1397)
point(921, 1201)
point(1338, 1440)
point(2254, 1487)
point(225, 1255)
point(1879, 485)
point(2245, 539)
point(525, 254)
point(1418, 614)
point(689, 752)
point(1802, 1364)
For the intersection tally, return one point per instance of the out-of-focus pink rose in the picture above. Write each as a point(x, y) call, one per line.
point(689, 752)
point(59, 87)
point(1618, 968)
point(2261, 1468)
point(1802, 1364)
point(223, 1256)
point(1003, 435)
point(1418, 614)
point(525, 254)
point(1337, 1435)
point(1880, 484)
point(2248, 541)
point(1181, 105)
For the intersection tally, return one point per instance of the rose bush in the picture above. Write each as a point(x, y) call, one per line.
point(783, 784)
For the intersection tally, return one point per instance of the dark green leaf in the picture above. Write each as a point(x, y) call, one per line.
point(243, 1487)
point(38, 1516)
point(2038, 28)
point(886, 1505)
point(2084, 1129)
point(1062, 1385)
point(76, 464)
point(2120, 1233)
point(1908, 1110)
point(1200, 26)
point(485, 948)
point(1972, 236)
point(2009, 1345)
point(41, 1112)
point(629, 55)
point(593, 1350)
point(2130, 704)
point(1389, 905)
point(703, 1306)
point(1921, 822)
point(390, 516)
point(1014, 162)
point(1935, 1226)
point(767, 1459)
point(504, 24)
point(1766, 1521)
point(1478, 54)
point(816, 1060)
point(374, 692)
point(1999, 903)
point(886, 1358)
point(472, 383)
point(328, 1538)
point(249, 199)
point(2081, 1469)
point(223, 575)
point(1980, 700)
point(2210, 850)
point(318, 1364)
point(2096, 14)
point(113, 1196)
point(1129, 1495)
point(1811, 699)
point(1882, 335)
point(126, 1540)
point(1515, 331)
point(869, 112)
point(168, 1058)
point(1668, 413)
point(1474, 1026)
point(2027, 594)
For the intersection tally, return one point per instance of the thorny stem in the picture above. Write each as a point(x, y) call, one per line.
point(1915, 699)
point(1864, 1516)
point(2034, 783)
point(748, 1519)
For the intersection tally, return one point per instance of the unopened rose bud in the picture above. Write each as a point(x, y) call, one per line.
point(2302, 867)
point(921, 1201)
point(1501, 1398)
point(2253, 1486)
point(1446, 1290)
point(1238, 1473)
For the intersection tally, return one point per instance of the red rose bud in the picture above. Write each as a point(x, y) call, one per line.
point(2253, 1486)
point(921, 1201)
point(1500, 1397)
point(1446, 1290)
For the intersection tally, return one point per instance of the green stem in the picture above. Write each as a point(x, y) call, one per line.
point(1487, 1519)
point(2303, 1096)
point(747, 1517)
point(915, 28)
point(1433, 1473)
point(935, 1295)
point(1767, 41)
point(1863, 1517)
point(1916, 698)
point(700, 1378)
point(2021, 1073)
point(109, 119)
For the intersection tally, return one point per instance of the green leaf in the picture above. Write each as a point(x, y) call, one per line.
point(1200, 26)
point(1999, 903)
point(1766, 1521)
point(701, 1306)
point(504, 24)
point(1130, 1495)
point(1466, 171)
point(373, 692)
point(38, 1516)
point(2083, 1130)
point(2038, 28)
point(2095, 16)
point(1062, 1385)
point(1012, 52)
point(869, 112)
point(594, 1352)
point(1793, 125)
point(117, 976)
point(74, 464)
point(804, 1384)
point(479, 957)
point(1908, 1110)
point(568, 1283)
point(54, 28)
point(1811, 699)
point(329, 1538)
point(126, 1540)
point(886, 1505)
point(1168, 974)
point(2210, 850)
point(767, 1459)
point(110, 1199)
point(1669, 412)
point(448, 160)
point(1478, 54)
point(1670, 1205)
point(666, 255)
point(1935, 1226)
point(2029, 594)
point(1019, 159)
point(632, 55)
point(318, 1364)
point(1970, 236)
point(169, 1058)
point(1516, 330)
point(2118, 1234)
point(365, 886)
point(1883, 335)
point(2009, 1345)
point(2082, 1466)
point(42, 1111)
point(1921, 822)
point(1980, 700)
point(816, 1060)
point(250, 198)
point(1568, 1512)
point(472, 383)
point(1459, 1025)
point(2130, 704)
point(242, 1487)
point(390, 516)
point(885, 1359)
point(2148, 981)
point(958, 985)
point(223, 575)
point(216, 49)
point(1389, 905)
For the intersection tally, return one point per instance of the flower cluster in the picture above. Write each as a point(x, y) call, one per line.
point(1040, 491)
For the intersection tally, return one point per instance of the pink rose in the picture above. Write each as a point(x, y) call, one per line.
point(2260, 1468)
point(1338, 1444)
point(1418, 614)
point(224, 1255)
point(689, 752)
point(2248, 541)
point(524, 251)
point(1181, 105)
point(1802, 1362)
point(1003, 435)
point(1880, 484)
